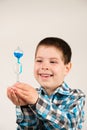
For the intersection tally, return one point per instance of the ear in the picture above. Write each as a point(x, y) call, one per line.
point(68, 68)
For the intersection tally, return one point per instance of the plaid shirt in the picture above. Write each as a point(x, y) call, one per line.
point(63, 110)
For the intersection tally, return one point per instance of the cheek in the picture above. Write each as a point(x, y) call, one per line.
point(56, 70)
point(35, 70)
point(65, 72)
point(59, 71)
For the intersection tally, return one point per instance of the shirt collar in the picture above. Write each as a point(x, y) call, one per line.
point(63, 89)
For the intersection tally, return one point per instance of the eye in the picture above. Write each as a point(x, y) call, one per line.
point(38, 60)
point(53, 62)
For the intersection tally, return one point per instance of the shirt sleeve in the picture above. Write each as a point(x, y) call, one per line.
point(71, 116)
point(26, 119)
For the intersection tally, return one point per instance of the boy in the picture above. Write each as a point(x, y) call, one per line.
point(54, 106)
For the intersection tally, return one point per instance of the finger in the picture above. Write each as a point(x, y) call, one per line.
point(8, 92)
point(20, 92)
point(14, 98)
point(22, 102)
point(17, 100)
point(23, 86)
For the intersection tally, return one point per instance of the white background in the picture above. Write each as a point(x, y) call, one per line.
point(24, 23)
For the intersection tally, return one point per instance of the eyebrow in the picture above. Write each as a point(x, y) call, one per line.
point(52, 58)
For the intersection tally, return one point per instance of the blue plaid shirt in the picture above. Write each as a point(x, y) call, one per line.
point(63, 110)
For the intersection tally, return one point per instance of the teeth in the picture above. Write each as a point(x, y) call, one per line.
point(46, 74)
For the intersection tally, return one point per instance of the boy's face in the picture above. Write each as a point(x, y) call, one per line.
point(49, 68)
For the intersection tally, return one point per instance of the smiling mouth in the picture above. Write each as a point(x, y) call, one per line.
point(46, 75)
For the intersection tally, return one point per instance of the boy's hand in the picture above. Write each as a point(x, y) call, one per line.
point(14, 97)
point(22, 94)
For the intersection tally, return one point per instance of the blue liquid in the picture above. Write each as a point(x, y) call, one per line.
point(18, 55)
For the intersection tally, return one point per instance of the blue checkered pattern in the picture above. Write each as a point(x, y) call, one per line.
point(63, 110)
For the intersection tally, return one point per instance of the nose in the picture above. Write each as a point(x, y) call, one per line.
point(45, 66)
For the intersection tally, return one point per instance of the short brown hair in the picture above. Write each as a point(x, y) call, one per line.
point(59, 44)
